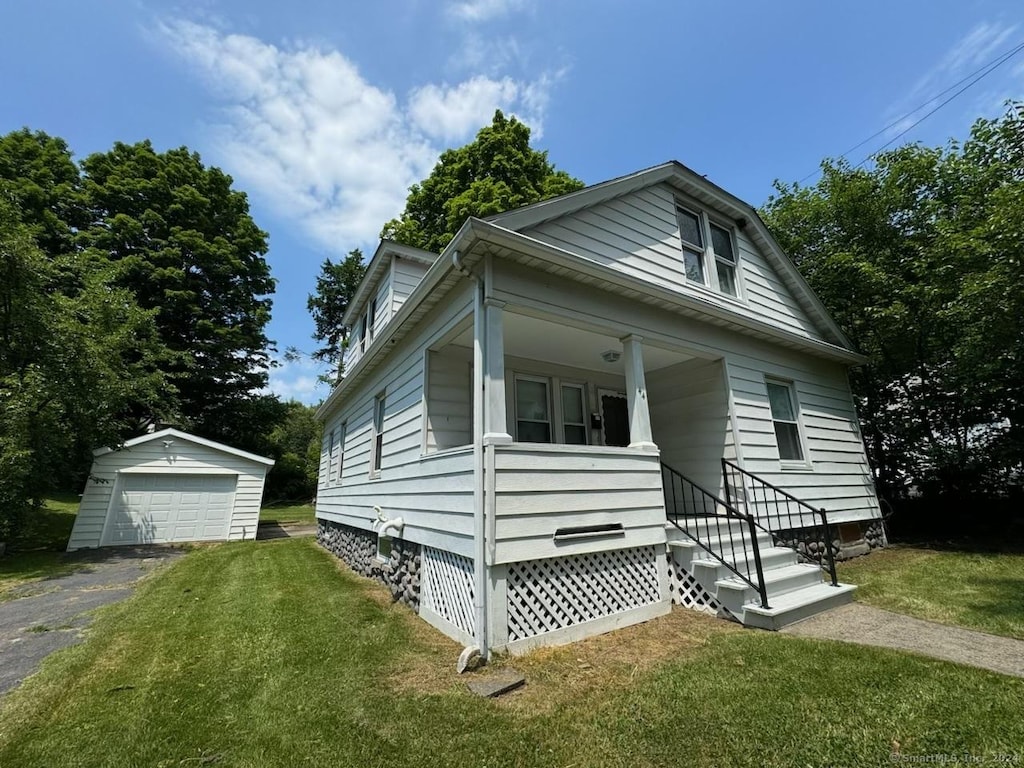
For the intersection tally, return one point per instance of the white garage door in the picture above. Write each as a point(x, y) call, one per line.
point(168, 508)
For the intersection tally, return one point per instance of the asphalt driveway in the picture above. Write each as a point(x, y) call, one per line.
point(45, 616)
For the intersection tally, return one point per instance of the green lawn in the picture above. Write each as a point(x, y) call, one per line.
point(270, 654)
point(976, 590)
point(38, 551)
point(288, 513)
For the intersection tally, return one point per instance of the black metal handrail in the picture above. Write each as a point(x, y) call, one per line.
point(686, 503)
point(778, 507)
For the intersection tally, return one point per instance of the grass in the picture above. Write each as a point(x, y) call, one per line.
point(978, 590)
point(39, 551)
point(270, 653)
point(288, 514)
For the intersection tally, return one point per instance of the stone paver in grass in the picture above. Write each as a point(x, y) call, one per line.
point(867, 625)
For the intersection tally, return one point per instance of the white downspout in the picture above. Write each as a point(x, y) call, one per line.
point(479, 521)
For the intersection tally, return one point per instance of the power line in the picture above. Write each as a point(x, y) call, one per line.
point(984, 70)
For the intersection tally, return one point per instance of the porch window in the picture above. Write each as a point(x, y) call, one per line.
point(574, 425)
point(377, 442)
point(533, 410)
point(784, 417)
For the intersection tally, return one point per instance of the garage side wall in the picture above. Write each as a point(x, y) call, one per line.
point(181, 457)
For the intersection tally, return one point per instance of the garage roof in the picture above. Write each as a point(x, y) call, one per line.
point(170, 432)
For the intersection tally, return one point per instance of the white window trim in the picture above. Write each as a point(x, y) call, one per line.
point(377, 431)
point(709, 259)
point(546, 381)
point(582, 387)
point(805, 462)
point(556, 417)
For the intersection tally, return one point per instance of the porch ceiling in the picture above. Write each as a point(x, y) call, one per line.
point(535, 339)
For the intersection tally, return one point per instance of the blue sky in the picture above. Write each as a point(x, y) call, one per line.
point(325, 111)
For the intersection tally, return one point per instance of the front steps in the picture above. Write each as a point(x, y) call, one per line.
point(796, 590)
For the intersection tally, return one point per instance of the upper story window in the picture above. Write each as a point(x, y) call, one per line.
point(362, 335)
point(371, 318)
point(709, 251)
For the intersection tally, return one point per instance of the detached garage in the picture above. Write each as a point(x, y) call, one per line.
point(170, 486)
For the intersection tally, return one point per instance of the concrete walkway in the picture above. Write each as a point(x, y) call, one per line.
point(47, 615)
point(275, 530)
point(863, 624)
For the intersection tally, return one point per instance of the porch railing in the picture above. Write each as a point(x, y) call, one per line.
point(717, 526)
point(782, 513)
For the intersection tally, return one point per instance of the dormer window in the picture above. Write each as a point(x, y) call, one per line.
point(709, 251)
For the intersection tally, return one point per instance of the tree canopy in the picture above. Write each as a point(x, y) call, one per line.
point(920, 258)
point(496, 172)
point(335, 287)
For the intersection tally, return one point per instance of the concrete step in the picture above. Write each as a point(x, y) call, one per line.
point(796, 606)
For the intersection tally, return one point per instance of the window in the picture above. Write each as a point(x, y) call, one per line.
point(371, 317)
point(325, 459)
point(533, 410)
point(377, 444)
point(574, 424)
point(330, 459)
point(342, 431)
point(383, 548)
point(362, 335)
point(787, 430)
point(725, 259)
point(709, 251)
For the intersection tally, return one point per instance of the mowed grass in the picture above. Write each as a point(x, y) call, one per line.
point(272, 654)
point(976, 590)
point(285, 514)
point(39, 551)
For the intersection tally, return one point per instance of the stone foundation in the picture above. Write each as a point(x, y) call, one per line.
point(357, 548)
point(808, 541)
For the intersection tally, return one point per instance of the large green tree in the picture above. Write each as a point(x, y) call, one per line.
point(496, 172)
point(335, 286)
point(185, 245)
point(919, 257)
point(74, 370)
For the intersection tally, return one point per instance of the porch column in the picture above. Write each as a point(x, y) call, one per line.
point(636, 394)
point(495, 420)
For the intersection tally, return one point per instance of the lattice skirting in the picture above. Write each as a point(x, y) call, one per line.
point(447, 587)
point(688, 592)
point(558, 592)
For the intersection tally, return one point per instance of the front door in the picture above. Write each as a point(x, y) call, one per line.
point(614, 417)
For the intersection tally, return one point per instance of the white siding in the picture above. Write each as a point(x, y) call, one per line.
point(838, 478)
point(639, 234)
point(384, 312)
point(382, 295)
point(690, 419)
point(541, 488)
point(449, 398)
point(182, 457)
point(433, 494)
point(406, 275)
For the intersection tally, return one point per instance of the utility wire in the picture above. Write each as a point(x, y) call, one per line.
point(984, 71)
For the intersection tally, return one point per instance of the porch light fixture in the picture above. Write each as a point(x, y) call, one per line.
point(611, 356)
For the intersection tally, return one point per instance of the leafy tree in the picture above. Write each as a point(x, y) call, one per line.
point(919, 258)
point(295, 446)
point(335, 286)
point(185, 244)
point(72, 369)
point(496, 172)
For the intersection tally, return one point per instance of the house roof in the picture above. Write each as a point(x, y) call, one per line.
point(442, 276)
point(686, 180)
point(163, 434)
point(379, 264)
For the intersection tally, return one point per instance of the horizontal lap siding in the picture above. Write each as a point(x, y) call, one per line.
point(840, 480)
point(639, 234)
point(406, 275)
point(690, 419)
point(449, 398)
point(539, 490)
point(181, 457)
point(433, 494)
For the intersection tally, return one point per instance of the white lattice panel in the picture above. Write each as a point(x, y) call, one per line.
point(688, 592)
point(448, 587)
point(553, 593)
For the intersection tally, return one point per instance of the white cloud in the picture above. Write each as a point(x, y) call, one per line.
point(297, 380)
point(302, 128)
point(484, 10)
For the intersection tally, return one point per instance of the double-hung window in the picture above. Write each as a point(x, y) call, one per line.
point(340, 448)
point(784, 418)
point(543, 418)
point(362, 335)
point(709, 251)
point(371, 318)
point(377, 443)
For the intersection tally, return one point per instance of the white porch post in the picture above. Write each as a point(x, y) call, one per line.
point(640, 435)
point(495, 420)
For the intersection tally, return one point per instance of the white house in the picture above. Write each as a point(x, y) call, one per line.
point(167, 487)
point(587, 408)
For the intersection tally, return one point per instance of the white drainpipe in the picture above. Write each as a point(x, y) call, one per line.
point(479, 523)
